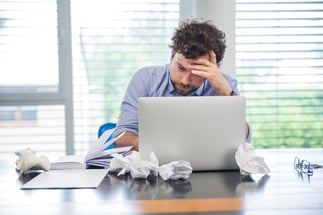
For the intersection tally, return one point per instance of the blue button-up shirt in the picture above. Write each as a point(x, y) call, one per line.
point(155, 82)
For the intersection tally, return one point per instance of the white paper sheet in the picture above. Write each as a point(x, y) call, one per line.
point(67, 179)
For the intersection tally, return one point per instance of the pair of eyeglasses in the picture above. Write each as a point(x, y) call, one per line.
point(305, 166)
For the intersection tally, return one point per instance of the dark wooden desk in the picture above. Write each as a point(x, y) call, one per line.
point(283, 191)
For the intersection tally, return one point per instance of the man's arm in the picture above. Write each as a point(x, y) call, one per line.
point(128, 118)
point(128, 139)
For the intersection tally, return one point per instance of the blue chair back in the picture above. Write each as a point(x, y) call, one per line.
point(103, 128)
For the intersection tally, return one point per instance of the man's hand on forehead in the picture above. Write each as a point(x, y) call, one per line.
point(205, 66)
point(199, 65)
point(205, 59)
point(203, 63)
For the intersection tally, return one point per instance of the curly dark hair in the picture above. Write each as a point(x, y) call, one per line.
point(194, 38)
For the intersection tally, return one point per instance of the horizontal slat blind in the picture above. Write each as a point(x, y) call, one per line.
point(279, 58)
point(29, 64)
point(39, 127)
point(111, 40)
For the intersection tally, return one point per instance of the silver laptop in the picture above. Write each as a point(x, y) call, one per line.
point(206, 131)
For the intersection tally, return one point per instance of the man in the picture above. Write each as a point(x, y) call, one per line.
point(197, 51)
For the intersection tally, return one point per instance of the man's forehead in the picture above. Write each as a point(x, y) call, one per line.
point(181, 58)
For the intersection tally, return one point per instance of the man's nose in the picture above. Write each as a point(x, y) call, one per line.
point(187, 78)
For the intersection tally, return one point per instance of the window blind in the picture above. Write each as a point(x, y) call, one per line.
point(279, 58)
point(29, 72)
point(111, 40)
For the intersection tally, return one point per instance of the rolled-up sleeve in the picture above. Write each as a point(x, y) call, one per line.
point(128, 120)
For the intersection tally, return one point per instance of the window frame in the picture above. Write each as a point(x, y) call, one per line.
point(64, 95)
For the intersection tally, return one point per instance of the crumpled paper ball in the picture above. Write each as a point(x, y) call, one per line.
point(139, 168)
point(133, 163)
point(249, 162)
point(28, 161)
point(175, 170)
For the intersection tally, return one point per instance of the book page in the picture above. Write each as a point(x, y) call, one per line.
point(100, 144)
point(98, 148)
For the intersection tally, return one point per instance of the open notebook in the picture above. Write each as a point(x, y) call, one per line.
point(99, 154)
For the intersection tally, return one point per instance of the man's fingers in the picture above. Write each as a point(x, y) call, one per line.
point(201, 73)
